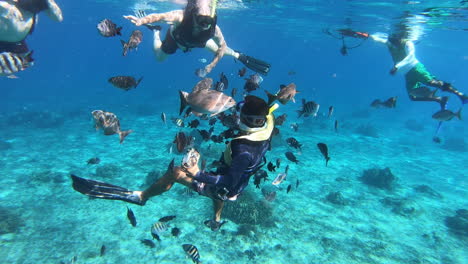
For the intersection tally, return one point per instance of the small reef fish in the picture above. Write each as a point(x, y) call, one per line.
point(389, 103)
point(175, 231)
point(107, 28)
point(284, 95)
point(258, 176)
point(308, 109)
point(167, 218)
point(295, 127)
point(280, 120)
point(205, 101)
point(163, 118)
point(109, 123)
point(212, 121)
point(288, 189)
point(330, 111)
point(148, 243)
point(446, 115)
point(125, 82)
point(157, 229)
point(324, 150)
point(278, 162)
point(178, 122)
point(242, 72)
point(336, 126)
point(192, 252)
point(222, 84)
point(290, 156)
point(131, 217)
point(94, 161)
point(181, 141)
point(233, 92)
point(281, 177)
point(292, 142)
point(133, 42)
point(202, 60)
point(297, 183)
point(253, 83)
point(103, 251)
point(11, 63)
point(271, 167)
point(436, 139)
point(194, 123)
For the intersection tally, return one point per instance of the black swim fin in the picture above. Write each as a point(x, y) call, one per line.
point(254, 64)
point(102, 190)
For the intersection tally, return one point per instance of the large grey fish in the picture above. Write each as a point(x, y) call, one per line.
point(253, 83)
point(107, 28)
point(422, 92)
point(308, 108)
point(284, 95)
point(125, 82)
point(203, 100)
point(11, 63)
point(133, 42)
point(109, 123)
point(446, 115)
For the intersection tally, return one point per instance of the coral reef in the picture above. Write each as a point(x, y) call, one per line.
point(35, 119)
point(247, 210)
point(367, 130)
point(458, 223)
point(336, 198)
point(424, 189)
point(414, 125)
point(380, 178)
point(402, 206)
point(455, 144)
point(10, 221)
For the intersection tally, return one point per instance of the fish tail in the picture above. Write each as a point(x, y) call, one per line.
point(458, 114)
point(300, 113)
point(123, 134)
point(183, 101)
point(125, 47)
point(138, 82)
point(118, 31)
point(326, 161)
point(271, 97)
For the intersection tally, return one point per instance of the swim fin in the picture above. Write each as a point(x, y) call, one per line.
point(254, 64)
point(102, 190)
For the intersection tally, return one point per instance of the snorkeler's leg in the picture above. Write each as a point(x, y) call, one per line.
point(157, 43)
point(162, 185)
point(447, 87)
point(218, 209)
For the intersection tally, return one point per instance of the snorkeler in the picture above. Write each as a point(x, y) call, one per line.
point(402, 49)
point(194, 27)
point(243, 157)
point(18, 19)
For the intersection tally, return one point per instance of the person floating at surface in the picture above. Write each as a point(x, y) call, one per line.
point(402, 49)
point(243, 156)
point(18, 19)
point(194, 27)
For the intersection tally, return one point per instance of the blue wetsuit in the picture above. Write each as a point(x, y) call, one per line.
point(247, 157)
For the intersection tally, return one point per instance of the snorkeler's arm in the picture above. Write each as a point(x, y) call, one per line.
point(219, 39)
point(410, 55)
point(379, 37)
point(170, 17)
point(54, 11)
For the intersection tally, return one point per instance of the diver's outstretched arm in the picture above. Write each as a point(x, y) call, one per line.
point(170, 17)
point(54, 11)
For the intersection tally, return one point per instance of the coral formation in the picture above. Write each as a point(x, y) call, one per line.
point(380, 178)
point(401, 206)
point(458, 223)
point(247, 210)
point(424, 189)
point(10, 221)
point(336, 198)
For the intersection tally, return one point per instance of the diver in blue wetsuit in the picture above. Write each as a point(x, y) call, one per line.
point(243, 156)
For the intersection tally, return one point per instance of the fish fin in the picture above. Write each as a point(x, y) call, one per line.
point(138, 82)
point(271, 97)
point(118, 31)
point(12, 76)
point(300, 113)
point(282, 86)
point(125, 47)
point(183, 101)
point(123, 134)
point(294, 100)
point(326, 161)
point(458, 114)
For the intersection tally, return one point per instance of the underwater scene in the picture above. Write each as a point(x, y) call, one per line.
point(233, 131)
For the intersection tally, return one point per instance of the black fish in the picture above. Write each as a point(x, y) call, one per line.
point(222, 84)
point(167, 218)
point(389, 103)
point(163, 117)
point(292, 142)
point(297, 183)
point(291, 157)
point(133, 42)
point(330, 111)
point(288, 189)
point(253, 83)
point(148, 243)
point(175, 231)
point(194, 123)
point(278, 162)
point(212, 121)
point(192, 252)
point(125, 82)
point(107, 28)
point(324, 149)
point(242, 72)
point(103, 250)
point(94, 161)
point(258, 176)
point(271, 167)
point(336, 126)
point(233, 92)
point(204, 134)
point(436, 139)
point(131, 217)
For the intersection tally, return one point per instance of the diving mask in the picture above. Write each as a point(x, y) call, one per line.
point(204, 22)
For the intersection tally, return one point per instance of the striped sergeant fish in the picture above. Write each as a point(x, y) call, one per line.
point(308, 109)
point(192, 252)
point(11, 63)
point(157, 229)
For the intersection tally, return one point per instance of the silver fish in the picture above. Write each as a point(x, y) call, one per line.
point(11, 63)
point(107, 28)
point(133, 42)
point(281, 177)
point(203, 100)
point(446, 115)
point(109, 123)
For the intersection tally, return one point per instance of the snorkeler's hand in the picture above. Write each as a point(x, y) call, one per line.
point(393, 70)
point(201, 72)
point(135, 20)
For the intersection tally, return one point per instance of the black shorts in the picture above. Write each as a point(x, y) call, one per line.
point(14, 47)
point(169, 45)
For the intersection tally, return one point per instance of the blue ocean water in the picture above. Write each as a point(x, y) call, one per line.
point(47, 133)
